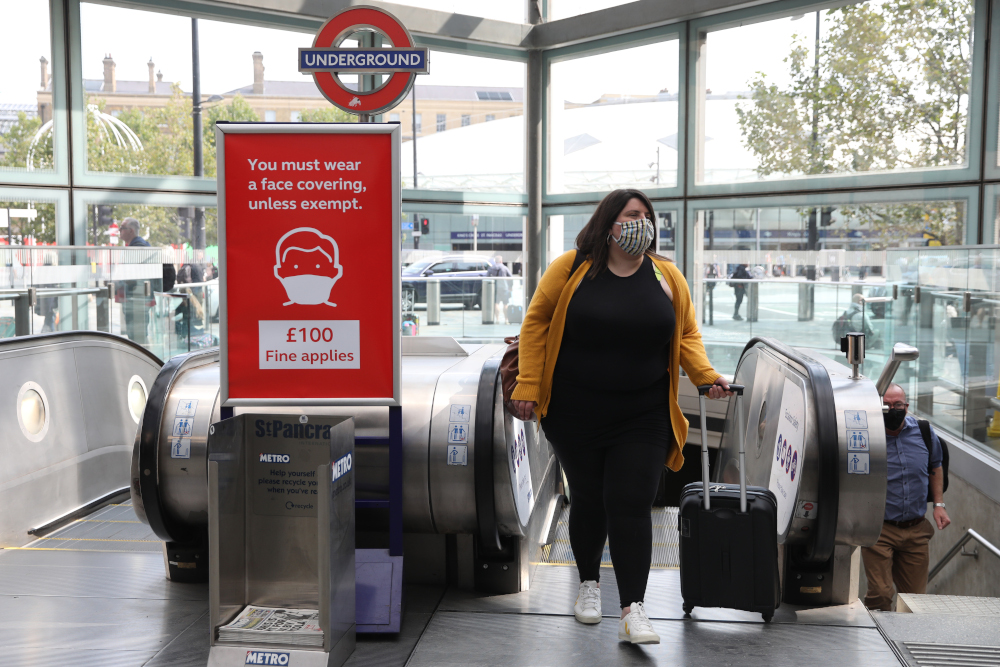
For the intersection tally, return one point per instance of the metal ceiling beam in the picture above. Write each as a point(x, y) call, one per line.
point(608, 22)
point(627, 18)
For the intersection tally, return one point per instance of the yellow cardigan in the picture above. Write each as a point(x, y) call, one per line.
point(542, 332)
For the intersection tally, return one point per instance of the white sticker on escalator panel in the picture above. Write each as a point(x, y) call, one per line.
point(186, 407)
point(520, 472)
point(856, 418)
point(458, 455)
point(805, 509)
point(182, 427)
point(180, 448)
point(857, 463)
point(458, 434)
point(787, 464)
point(460, 413)
point(857, 440)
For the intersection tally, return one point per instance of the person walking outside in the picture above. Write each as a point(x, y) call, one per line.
point(135, 302)
point(600, 352)
point(740, 289)
point(914, 473)
point(503, 288)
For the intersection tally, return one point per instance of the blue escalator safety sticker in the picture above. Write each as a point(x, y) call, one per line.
point(460, 413)
point(186, 407)
point(182, 427)
point(180, 448)
point(458, 455)
point(856, 418)
point(268, 658)
point(857, 440)
point(458, 434)
point(857, 463)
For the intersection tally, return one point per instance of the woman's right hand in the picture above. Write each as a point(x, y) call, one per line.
point(523, 409)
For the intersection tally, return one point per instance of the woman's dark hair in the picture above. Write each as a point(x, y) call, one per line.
point(592, 240)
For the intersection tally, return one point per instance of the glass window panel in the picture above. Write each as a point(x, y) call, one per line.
point(26, 221)
point(562, 231)
point(802, 273)
point(137, 82)
point(561, 9)
point(26, 92)
point(613, 125)
point(871, 87)
point(462, 250)
point(472, 156)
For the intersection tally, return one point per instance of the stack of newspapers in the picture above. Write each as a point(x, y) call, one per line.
point(271, 625)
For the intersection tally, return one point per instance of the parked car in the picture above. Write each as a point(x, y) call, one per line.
point(461, 278)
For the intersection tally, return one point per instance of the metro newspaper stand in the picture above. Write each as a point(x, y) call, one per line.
point(309, 219)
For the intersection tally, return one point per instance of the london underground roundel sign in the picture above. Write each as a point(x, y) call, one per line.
point(325, 59)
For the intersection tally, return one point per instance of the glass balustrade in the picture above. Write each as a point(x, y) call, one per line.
point(117, 290)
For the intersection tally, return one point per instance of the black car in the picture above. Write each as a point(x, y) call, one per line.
point(461, 278)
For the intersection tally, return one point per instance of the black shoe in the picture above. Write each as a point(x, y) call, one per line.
point(737, 317)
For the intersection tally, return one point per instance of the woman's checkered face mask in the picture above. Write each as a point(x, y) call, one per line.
point(636, 236)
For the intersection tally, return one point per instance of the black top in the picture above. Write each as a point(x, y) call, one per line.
point(611, 380)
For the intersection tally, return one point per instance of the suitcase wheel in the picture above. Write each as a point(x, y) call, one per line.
point(688, 608)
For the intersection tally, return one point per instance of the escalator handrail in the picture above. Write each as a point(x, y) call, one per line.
point(82, 334)
point(820, 548)
point(148, 436)
point(486, 516)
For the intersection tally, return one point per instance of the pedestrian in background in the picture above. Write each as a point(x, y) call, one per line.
point(606, 333)
point(503, 288)
point(902, 554)
point(739, 288)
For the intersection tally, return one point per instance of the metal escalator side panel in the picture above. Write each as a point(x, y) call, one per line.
point(145, 474)
point(453, 450)
point(861, 508)
point(822, 432)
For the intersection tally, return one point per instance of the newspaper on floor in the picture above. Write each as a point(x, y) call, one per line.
point(272, 625)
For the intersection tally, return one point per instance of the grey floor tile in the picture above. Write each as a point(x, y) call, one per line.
point(93, 623)
point(61, 657)
point(473, 639)
point(188, 649)
point(554, 588)
point(940, 628)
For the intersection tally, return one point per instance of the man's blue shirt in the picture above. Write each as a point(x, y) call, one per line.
point(907, 459)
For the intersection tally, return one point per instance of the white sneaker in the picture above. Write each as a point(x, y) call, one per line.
point(588, 603)
point(636, 628)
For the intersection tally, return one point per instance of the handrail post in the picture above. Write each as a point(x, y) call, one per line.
point(970, 534)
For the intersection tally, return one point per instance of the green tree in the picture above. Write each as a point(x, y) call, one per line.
point(330, 114)
point(17, 144)
point(889, 90)
point(42, 229)
point(236, 110)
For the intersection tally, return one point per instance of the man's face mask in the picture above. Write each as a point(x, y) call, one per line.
point(636, 236)
point(895, 416)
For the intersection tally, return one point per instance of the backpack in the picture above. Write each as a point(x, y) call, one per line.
point(925, 431)
point(841, 326)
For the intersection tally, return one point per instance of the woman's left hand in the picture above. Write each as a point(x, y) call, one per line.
point(719, 389)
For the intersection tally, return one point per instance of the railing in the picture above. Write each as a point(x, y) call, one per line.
point(960, 547)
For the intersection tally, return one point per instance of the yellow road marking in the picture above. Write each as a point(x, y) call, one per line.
point(93, 539)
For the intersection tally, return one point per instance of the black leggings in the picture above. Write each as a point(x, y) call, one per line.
point(612, 491)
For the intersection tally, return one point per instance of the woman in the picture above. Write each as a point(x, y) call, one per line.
point(599, 355)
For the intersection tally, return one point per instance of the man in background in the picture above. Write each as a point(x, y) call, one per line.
point(135, 302)
point(914, 474)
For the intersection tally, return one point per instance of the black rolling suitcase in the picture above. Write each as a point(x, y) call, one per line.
point(729, 553)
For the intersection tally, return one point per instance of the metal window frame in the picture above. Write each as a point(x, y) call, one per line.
point(596, 48)
point(83, 198)
point(59, 197)
point(914, 177)
point(60, 176)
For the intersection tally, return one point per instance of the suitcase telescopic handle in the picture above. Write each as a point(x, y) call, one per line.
point(738, 390)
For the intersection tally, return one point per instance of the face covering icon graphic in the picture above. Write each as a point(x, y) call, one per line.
point(307, 264)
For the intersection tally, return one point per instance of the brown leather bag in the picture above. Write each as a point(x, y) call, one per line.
point(508, 364)
point(508, 372)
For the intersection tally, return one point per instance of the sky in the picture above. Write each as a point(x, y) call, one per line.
point(134, 37)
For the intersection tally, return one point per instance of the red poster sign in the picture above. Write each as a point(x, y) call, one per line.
point(309, 259)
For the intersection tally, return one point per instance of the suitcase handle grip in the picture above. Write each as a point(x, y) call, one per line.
point(735, 388)
point(738, 390)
